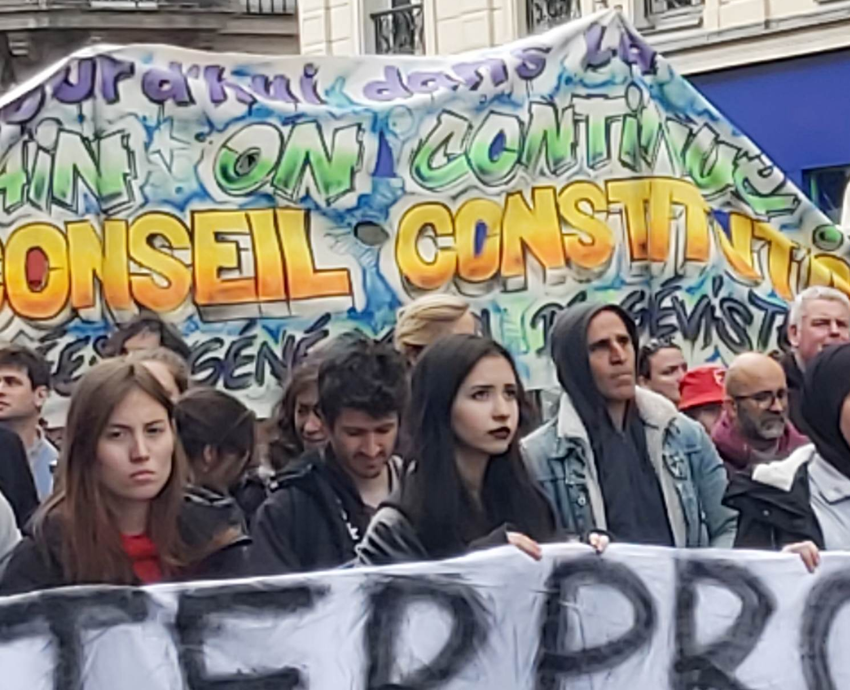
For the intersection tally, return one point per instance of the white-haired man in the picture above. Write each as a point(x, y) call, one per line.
point(819, 316)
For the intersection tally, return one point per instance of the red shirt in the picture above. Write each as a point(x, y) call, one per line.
point(142, 551)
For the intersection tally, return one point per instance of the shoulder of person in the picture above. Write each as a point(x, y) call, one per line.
point(784, 474)
point(654, 409)
point(31, 567)
point(305, 469)
point(207, 515)
point(543, 440)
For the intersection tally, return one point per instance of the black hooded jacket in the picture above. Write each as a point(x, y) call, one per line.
point(634, 503)
point(795, 381)
point(16, 482)
point(313, 519)
point(207, 518)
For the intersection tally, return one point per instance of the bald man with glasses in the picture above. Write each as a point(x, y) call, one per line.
point(754, 427)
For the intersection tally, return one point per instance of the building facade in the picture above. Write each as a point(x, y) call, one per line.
point(776, 68)
point(35, 33)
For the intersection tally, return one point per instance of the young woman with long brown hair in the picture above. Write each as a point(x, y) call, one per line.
point(118, 514)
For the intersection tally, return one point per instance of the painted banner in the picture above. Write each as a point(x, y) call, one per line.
point(265, 204)
point(636, 618)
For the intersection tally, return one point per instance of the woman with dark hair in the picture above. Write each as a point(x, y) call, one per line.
point(217, 433)
point(146, 331)
point(118, 514)
point(298, 425)
point(467, 486)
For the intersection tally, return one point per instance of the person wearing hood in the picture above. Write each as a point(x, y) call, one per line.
point(802, 503)
point(754, 426)
point(322, 503)
point(618, 457)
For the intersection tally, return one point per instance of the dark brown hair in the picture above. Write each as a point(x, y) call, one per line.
point(91, 543)
point(286, 444)
point(147, 322)
point(209, 417)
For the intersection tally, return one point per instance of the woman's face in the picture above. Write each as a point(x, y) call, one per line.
point(136, 448)
point(163, 374)
point(844, 423)
point(308, 423)
point(485, 412)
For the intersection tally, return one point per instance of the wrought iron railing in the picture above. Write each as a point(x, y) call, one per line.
point(400, 31)
point(254, 7)
point(268, 6)
point(544, 14)
point(662, 7)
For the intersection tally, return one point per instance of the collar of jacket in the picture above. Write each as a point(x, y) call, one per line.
point(654, 410)
point(780, 474)
point(657, 414)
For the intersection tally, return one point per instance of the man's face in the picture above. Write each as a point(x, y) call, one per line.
point(666, 369)
point(612, 357)
point(362, 443)
point(18, 399)
point(760, 405)
point(824, 322)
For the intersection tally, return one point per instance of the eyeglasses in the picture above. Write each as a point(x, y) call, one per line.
point(765, 399)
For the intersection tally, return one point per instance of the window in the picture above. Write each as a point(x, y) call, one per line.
point(544, 14)
point(668, 15)
point(826, 188)
point(399, 30)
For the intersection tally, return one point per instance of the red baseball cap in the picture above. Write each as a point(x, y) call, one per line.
point(702, 386)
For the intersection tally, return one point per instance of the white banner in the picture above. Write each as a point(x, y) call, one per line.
point(636, 619)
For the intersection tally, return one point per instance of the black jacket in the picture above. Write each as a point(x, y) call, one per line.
point(206, 518)
point(794, 378)
point(16, 482)
point(391, 538)
point(313, 519)
point(773, 515)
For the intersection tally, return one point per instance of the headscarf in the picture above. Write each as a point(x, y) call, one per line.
point(827, 385)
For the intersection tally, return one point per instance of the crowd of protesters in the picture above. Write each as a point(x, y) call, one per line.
point(424, 448)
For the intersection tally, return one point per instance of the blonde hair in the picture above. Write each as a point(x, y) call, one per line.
point(424, 320)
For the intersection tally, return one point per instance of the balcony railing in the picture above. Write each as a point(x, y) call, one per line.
point(544, 14)
point(400, 31)
point(268, 6)
point(672, 8)
point(253, 7)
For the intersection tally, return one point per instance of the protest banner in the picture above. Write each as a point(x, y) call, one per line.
point(264, 204)
point(636, 618)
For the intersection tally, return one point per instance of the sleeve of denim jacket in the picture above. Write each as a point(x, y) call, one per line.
point(709, 476)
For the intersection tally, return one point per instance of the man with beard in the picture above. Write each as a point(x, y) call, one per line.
point(321, 503)
point(619, 457)
point(754, 427)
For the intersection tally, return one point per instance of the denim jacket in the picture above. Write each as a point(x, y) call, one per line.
point(690, 472)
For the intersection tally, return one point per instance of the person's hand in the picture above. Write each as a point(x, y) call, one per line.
point(526, 544)
point(598, 541)
point(807, 551)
